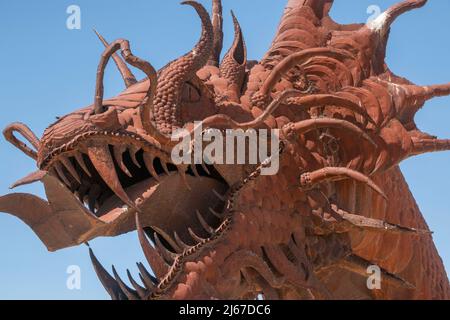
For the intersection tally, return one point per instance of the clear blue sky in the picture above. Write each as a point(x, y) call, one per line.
point(47, 70)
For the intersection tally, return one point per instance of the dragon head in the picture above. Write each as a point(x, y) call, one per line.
point(225, 230)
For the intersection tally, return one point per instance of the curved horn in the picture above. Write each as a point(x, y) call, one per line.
point(233, 64)
point(27, 134)
point(174, 76)
point(387, 18)
point(127, 75)
point(145, 66)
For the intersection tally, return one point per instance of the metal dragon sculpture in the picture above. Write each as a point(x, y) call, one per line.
point(338, 204)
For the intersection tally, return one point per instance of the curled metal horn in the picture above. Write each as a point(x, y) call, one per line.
point(145, 66)
point(27, 134)
point(178, 72)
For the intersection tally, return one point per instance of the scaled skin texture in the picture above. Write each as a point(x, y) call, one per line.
point(338, 205)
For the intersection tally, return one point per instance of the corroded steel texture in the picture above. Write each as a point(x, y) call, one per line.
point(338, 204)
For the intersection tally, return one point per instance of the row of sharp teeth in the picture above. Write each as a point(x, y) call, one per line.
point(158, 256)
point(102, 160)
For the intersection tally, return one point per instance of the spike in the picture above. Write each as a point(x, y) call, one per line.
point(156, 262)
point(102, 160)
point(359, 265)
point(195, 237)
point(217, 22)
point(133, 150)
point(147, 279)
point(149, 160)
point(168, 239)
point(375, 224)
point(204, 224)
point(59, 169)
point(144, 66)
point(164, 166)
point(118, 155)
point(218, 195)
point(69, 166)
point(180, 242)
point(182, 172)
point(140, 290)
point(205, 167)
point(82, 164)
point(167, 255)
point(413, 97)
point(111, 286)
point(29, 179)
point(194, 170)
point(130, 293)
point(216, 214)
point(285, 267)
point(234, 63)
point(310, 179)
point(385, 20)
point(127, 75)
point(422, 146)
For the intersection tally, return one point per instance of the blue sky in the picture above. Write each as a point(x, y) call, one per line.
point(48, 70)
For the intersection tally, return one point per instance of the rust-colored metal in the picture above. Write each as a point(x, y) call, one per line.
point(338, 204)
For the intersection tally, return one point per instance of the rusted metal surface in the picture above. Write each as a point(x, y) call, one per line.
point(338, 204)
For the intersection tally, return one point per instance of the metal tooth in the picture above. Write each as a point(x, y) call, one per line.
point(180, 242)
point(143, 281)
point(133, 150)
point(111, 286)
point(194, 170)
point(195, 237)
point(130, 293)
point(60, 171)
point(164, 166)
point(168, 238)
point(216, 214)
point(82, 164)
point(167, 255)
point(140, 290)
point(156, 262)
point(218, 195)
point(204, 224)
point(69, 166)
point(102, 160)
point(205, 167)
point(148, 160)
point(147, 279)
point(182, 172)
point(118, 155)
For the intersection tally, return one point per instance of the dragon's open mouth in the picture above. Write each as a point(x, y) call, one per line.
point(112, 179)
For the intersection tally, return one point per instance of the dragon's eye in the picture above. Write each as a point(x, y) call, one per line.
point(190, 93)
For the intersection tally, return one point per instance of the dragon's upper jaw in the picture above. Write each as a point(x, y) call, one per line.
point(95, 189)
